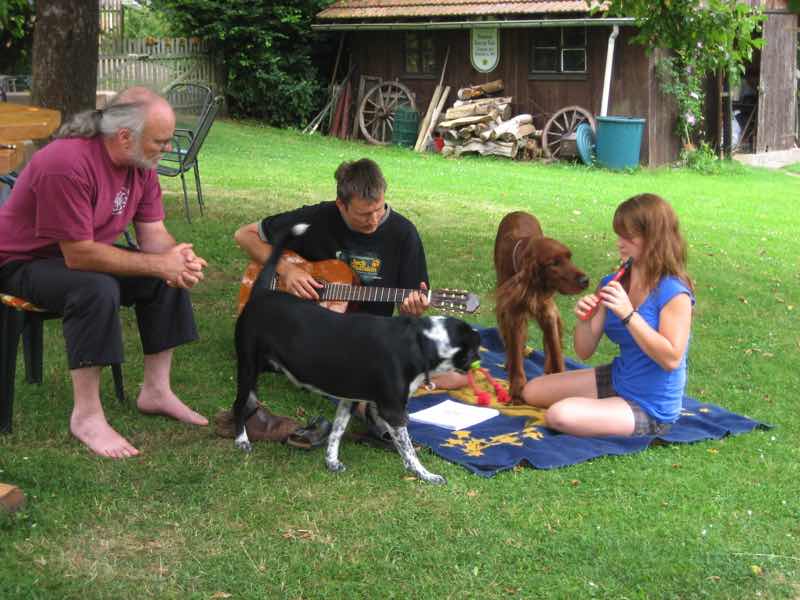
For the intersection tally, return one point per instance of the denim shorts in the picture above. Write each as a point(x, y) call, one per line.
point(643, 424)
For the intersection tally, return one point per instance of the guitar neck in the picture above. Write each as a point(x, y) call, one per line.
point(339, 280)
point(358, 293)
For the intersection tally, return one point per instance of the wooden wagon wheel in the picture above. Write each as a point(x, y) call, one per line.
point(561, 127)
point(376, 113)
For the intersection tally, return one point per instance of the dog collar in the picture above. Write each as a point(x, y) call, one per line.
point(514, 254)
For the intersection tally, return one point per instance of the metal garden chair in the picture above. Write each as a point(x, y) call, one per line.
point(195, 109)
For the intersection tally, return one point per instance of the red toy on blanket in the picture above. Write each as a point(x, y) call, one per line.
point(484, 398)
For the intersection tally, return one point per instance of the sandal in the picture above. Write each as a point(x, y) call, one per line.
point(373, 439)
point(377, 437)
point(313, 435)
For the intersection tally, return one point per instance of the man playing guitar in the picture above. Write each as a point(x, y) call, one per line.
point(381, 246)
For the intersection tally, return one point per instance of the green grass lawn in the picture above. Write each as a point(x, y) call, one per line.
point(795, 168)
point(195, 518)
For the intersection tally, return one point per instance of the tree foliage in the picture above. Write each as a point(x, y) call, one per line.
point(266, 49)
point(16, 27)
point(706, 36)
point(141, 21)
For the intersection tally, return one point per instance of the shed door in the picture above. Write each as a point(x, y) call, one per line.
point(778, 87)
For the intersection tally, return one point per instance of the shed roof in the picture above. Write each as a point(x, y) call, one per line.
point(377, 9)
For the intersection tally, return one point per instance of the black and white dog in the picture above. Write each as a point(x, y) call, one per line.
point(350, 356)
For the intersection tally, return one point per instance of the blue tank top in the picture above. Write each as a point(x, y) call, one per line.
point(637, 377)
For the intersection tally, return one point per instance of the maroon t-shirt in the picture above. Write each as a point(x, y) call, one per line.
point(71, 191)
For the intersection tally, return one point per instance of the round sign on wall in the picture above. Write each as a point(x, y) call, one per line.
point(484, 49)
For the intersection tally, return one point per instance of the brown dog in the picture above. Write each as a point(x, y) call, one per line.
point(530, 269)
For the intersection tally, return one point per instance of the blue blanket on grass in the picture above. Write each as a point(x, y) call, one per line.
point(517, 435)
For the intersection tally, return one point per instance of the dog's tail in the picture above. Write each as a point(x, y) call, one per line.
point(267, 275)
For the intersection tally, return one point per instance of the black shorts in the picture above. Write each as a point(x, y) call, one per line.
point(644, 424)
point(89, 302)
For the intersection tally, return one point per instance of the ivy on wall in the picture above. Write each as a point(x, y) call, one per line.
point(706, 37)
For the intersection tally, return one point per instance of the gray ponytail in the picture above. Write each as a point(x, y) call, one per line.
point(107, 121)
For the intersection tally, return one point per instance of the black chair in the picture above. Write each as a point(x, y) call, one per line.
point(195, 109)
point(20, 318)
point(6, 84)
point(13, 83)
point(6, 183)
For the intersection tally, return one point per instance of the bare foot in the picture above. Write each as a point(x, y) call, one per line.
point(95, 432)
point(154, 402)
point(449, 380)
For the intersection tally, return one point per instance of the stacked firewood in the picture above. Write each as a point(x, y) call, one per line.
point(485, 125)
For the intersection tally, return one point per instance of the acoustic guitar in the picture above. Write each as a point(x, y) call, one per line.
point(341, 285)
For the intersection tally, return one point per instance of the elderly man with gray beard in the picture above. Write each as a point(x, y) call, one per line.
point(57, 233)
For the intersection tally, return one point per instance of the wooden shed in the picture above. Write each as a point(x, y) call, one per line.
point(550, 54)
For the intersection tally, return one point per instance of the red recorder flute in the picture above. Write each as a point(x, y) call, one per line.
point(617, 276)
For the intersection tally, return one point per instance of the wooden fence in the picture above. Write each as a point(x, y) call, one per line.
point(158, 63)
point(111, 17)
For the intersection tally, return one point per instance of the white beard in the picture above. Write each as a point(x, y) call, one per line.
point(139, 160)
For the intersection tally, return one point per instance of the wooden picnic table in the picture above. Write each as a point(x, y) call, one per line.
point(19, 123)
point(11, 155)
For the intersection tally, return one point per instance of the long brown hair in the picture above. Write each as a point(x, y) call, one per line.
point(652, 218)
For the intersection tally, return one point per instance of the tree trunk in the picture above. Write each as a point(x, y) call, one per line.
point(65, 50)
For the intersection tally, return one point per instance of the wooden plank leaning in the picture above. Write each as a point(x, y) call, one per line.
point(422, 136)
point(423, 127)
point(359, 98)
point(317, 121)
point(434, 118)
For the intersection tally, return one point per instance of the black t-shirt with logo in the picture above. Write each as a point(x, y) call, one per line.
point(392, 256)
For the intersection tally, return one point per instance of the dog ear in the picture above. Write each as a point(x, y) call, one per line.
point(469, 344)
point(535, 259)
point(546, 252)
point(465, 341)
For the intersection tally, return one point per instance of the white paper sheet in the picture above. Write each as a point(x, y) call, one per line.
point(453, 415)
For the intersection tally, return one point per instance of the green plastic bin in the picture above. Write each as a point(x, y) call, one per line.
point(406, 126)
point(619, 141)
